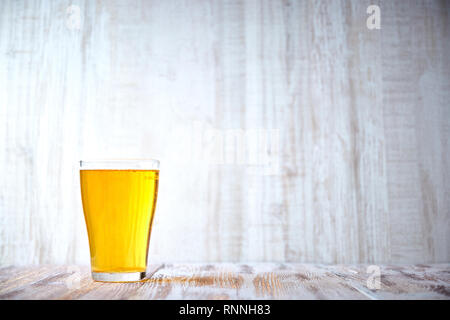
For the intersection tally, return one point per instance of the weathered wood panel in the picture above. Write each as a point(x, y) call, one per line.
point(344, 130)
point(232, 281)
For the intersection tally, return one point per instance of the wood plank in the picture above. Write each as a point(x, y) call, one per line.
point(361, 122)
point(225, 281)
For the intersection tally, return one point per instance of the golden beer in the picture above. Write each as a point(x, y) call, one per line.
point(118, 206)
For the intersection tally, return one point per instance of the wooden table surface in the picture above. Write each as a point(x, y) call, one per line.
point(232, 281)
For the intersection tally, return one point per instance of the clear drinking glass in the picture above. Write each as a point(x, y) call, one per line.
point(119, 199)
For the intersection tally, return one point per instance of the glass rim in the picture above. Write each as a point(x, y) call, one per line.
point(119, 164)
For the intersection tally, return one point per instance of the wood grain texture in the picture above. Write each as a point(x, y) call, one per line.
point(232, 281)
point(346, 157)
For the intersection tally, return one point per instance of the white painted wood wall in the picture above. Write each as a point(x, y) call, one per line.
point(356, 168)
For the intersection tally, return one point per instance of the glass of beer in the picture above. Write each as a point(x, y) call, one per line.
point(119, 199)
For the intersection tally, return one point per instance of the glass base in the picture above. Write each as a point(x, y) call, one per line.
point(118, 276)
